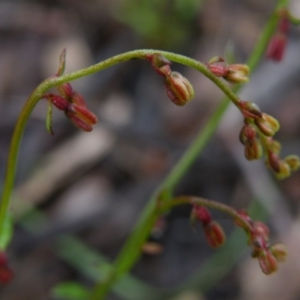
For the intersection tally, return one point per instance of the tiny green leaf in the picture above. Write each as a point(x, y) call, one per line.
point(62, 63)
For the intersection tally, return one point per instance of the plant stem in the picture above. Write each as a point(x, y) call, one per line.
point(132, 247)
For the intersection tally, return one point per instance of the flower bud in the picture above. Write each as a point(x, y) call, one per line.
point(179, 89)
point(284, 170)
point(253, 149)
point(267, 124)
point(293, 162)
point(65, 90)
point(218, 69)
point(214, 234)
point(250, 109)
point(267, 262)
point(237, 73)
point(78, 99)
point(247, 133)
point(58, 101)
point(202, 214)
point(276, 47)
point(279, 251)
point(78, 122)
point(81, 117)
point(273, 161)
point(261, 229)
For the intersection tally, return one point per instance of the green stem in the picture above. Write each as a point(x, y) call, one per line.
point(131, 250)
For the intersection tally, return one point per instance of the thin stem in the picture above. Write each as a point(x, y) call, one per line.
point(132, 247)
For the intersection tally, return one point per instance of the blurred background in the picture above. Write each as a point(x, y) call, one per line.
point(78, 195)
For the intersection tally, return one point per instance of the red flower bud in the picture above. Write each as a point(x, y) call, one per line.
point(81, 117)
point(202, 214)
point(261, 229)
point(78, 122)
point(179, 89)
point(78, 99)
point(277, 46)
point(247, 133)
point(214, 234)
point(273, 161)
point(58, 101)
point(218, 69)
point(267, 262)
point(250, 110)
point(84, 114)
point(65, 90)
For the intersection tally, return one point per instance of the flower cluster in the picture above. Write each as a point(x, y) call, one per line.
point(258, 236)
point(257, 137)
point(71, 102)
point(235, 73)
point(6, 273)
point(213, 231)
point(178, 88)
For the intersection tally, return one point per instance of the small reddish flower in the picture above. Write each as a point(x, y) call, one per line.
point(278, 42)
point(202, 214)
point(81, 117)
point(276, 47)
point(235, 73)
point(267, 262)
point(214, 234)
point(261, 229)
point(218, 69)
point(250, 110)
point(71, 102)
point(248, 133)
point(178, 88)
